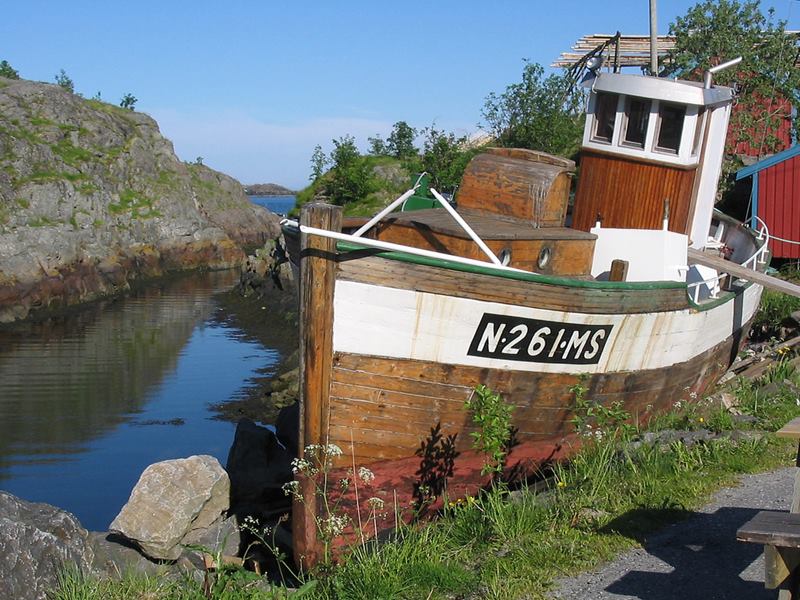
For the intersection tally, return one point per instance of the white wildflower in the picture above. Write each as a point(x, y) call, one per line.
point(375, 503)
point(366, 475)
point(333, 526)
point(292, 488)
point(301, 465)
point(333, 450)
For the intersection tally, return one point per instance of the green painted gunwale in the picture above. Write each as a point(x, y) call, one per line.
point(532, 277)
point(539, 278)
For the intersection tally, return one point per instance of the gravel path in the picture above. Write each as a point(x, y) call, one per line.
point(695, 558)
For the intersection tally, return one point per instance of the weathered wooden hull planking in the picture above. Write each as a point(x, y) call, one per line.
point(394, 345)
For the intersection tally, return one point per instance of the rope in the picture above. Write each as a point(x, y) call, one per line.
point(775, 237)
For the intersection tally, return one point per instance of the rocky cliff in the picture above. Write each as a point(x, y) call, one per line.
point(92, 197)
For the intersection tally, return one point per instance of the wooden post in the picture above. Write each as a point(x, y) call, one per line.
point(619, 270)
point(317, 279)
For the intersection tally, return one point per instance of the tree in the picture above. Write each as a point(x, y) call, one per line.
point(444, 157)
point(318, 163)
point(64, 81)
point(350, 174)
point(128, 101)
point(540, 113)
point(7, 71)
point(400, 142)
point(715, 31)
point(377, 147)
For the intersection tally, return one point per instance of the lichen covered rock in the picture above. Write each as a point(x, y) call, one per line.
point(37, 541)
point(172, 499)
point(92, 197)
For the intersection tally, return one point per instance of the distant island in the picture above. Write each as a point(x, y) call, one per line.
point(267, 189)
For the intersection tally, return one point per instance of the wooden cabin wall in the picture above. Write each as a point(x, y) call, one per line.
point(507, 184)
point(631, 194)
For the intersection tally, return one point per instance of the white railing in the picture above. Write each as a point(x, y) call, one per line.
point(446, 205)
point(759, 257)
point(370, 243)
point(713, 283)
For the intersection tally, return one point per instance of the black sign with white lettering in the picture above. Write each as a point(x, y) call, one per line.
point(534, 340)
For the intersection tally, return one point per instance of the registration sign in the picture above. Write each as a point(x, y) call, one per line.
point(535, 340)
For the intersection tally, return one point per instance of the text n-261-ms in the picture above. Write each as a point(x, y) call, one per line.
point(536, 340)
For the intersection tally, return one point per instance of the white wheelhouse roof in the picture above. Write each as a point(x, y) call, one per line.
point(659, 88)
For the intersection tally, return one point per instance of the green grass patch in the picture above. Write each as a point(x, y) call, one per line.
point(87, 189)
point(40, 121)
point(41, 221)
point(44, 175)
point(134, 203)
point(110, 109)
point(71, 154)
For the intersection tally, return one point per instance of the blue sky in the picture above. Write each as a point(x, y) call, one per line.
point(252, 87)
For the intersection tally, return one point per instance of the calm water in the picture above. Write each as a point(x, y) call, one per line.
point(89, 400)
point(277, 204)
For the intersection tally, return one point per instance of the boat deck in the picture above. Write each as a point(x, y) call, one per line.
point(487, 226)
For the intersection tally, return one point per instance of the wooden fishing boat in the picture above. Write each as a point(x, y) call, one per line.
point(645, 298)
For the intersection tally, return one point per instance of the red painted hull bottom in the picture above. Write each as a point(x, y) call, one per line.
point(394, 484)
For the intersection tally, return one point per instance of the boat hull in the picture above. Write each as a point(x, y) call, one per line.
point(393, 345)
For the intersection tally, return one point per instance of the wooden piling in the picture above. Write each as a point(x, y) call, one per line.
point(317, 279)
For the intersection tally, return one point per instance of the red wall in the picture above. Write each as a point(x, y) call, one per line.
point(779, 205)
point(782, 109)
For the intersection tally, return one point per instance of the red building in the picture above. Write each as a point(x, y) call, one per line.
point(760, 140)
point(775, 199)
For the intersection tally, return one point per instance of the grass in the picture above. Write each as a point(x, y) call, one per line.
point(513, 544)
point(227, 584)
point(134, 203)
point(71, 154)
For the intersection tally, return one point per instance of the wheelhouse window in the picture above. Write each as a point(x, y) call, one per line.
point(637, 115)
point(670, 127)
point(605, 117)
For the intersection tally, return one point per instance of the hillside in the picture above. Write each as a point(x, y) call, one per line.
point(267, 189)
point(92, 197)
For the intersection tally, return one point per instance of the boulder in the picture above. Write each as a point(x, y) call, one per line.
point(287, 427)
point(36, 542)
point(114, 555)
point(171, 499)
point(258, 466)
point(221, 537)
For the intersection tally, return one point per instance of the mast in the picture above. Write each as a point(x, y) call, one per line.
point(653, 39)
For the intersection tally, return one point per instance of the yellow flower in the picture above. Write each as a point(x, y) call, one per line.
point(701, 419)
point(561, 484)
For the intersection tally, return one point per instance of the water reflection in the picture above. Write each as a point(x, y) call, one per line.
point(86, 403)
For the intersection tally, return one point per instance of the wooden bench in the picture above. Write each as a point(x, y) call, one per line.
point(780, 534)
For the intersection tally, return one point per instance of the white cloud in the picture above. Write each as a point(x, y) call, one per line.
point(256, 151)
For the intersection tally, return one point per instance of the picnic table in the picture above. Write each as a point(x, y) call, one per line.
point(780, 533)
